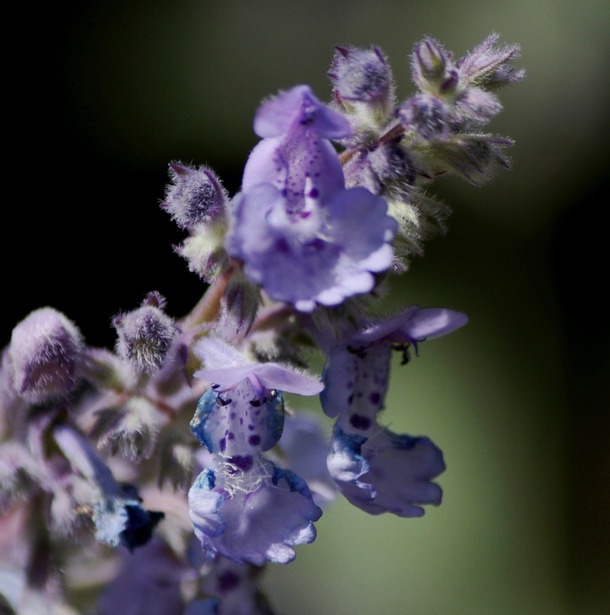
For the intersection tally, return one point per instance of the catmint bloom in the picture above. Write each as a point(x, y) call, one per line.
point(243, 506)
point(301, 235)
point(43, 356)
point(386, 472)
point(144, 336)
point(375, 469)
point(252, 515)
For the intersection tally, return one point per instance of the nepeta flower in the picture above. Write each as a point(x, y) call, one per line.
point(385, 472)
point(376, 469)
point(302, 236)
point(243, 506)
point(252, 515)
point(43, 356)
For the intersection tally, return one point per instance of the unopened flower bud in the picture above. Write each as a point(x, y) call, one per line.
point(196, 195)
point(428, 62)
point(43, 356)
point(362, 76)
point(145, 335)
point(426, 115)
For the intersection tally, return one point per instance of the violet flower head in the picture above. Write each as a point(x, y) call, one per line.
point(43, 356)
point(301, 235)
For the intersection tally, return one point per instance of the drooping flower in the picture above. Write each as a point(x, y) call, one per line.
point(252, 513)
point(376, 469)
point(385, 472)
point(301, 235)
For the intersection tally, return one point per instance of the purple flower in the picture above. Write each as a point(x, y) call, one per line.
point(301, 235)
point(357, 370)
point(252, 515)
point(243, 411)
point(386, 472)
point(376, 469)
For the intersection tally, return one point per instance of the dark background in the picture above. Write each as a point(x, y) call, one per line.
point(101, 96)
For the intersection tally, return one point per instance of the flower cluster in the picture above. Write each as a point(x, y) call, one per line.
point(176, 455)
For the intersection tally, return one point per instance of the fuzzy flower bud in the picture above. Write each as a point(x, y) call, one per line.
point(428, 63)
point(43, 356)
point(145, 335)
point(196, 196)
point(361, 75)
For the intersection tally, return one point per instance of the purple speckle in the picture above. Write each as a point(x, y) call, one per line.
point(375, 398)
point(360, 422)
point(251, 427)
point(231, 436)
point(314, 193)
point(350, 399)
point(254, 440)
point(222, 444)
point(243, 462)
point(227, 581)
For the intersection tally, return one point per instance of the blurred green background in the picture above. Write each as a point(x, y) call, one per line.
point(102, 95)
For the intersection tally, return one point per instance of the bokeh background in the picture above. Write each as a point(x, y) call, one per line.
point(100, 96)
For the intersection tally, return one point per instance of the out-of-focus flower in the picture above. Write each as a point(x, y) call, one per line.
point(43, 356)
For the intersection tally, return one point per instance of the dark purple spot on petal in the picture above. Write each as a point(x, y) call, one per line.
point(231, 436)
point(243, 462)
point(282, 246)
point(314, 193)
point(222, 444)
point(375, 398)
point(251, 427)
point(227, 581)
point(360, 422)
point(350, 399)
point(254, 440)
